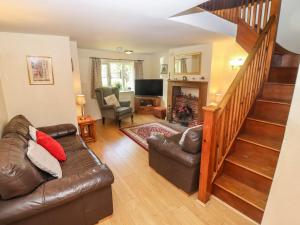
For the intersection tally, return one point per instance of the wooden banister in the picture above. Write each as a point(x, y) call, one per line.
point(223, 122)
point(255, 13)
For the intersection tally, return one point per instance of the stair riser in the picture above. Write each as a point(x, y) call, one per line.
point(278, 92)
point(285, 60)
point(241, 174)
point(264, 129)
point(283, 75)
point(290, 60)
point(271, 111)
point(238, 204)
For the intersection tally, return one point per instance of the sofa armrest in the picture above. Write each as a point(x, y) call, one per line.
point(54, 193)
point(125, 103)
point(172, 150)
point(58, 131)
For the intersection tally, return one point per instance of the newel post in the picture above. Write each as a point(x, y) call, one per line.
point(208, 153)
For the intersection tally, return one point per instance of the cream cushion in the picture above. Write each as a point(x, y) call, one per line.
point(32, 132)
point(42, 159)
point(112, 100)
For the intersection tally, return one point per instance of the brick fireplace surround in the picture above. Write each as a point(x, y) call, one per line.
point(175, 99)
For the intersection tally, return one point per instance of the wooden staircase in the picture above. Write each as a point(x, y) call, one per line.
point(243, 134)
point(249, 168)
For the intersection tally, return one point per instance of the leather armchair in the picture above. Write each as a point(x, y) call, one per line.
point(180, 164)
point(111, 111)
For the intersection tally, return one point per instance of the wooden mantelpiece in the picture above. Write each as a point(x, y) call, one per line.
point(202, 86)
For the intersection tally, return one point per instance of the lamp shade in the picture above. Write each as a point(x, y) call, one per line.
point(80, 99)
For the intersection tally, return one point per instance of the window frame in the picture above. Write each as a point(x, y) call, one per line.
point(122, 72)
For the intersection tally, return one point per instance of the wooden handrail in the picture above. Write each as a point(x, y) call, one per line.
point(223, 122)
point(255, 13)
point(245, 66)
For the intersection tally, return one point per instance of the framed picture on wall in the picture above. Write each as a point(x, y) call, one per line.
point(40, 71)
point(164, 68)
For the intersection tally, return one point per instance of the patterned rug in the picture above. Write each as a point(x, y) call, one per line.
point(140, 133)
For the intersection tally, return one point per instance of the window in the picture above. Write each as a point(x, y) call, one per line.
point(104, 74)
point(118, 74)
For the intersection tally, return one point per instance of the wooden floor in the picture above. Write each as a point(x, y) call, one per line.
point(141, 196)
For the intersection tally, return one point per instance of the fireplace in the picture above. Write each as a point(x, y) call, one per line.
point(185, 102)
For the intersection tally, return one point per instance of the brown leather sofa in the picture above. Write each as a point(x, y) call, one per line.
point(82, 197)
point(180, 164)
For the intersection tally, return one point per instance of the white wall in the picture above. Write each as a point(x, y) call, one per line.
point(157, 60)
point(76, 73)
point(222, 74)
point(215, 65)
point(41, 104)
point(206, 51)
point(3, 112)
point(206, 57)
point(289, 29)
point(91, 106)
point(283, 203)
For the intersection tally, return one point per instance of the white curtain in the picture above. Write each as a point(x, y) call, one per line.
point(96, 80)
point(138, 69)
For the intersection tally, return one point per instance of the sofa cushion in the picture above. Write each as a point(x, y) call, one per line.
point(51, 145)
point(71, 143)
point(79, 161)
point(42, 159)
point(192, 142)
point(20, 125)
point(18, 176)
point(32, 132)
point(55, 193)
point(123, 110)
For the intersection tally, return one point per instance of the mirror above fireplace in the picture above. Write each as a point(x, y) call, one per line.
point(188, 64)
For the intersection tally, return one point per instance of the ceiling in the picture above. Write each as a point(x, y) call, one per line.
point(139, 25)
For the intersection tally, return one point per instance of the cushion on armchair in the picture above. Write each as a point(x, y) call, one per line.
point(112, 100)
point(191, 140)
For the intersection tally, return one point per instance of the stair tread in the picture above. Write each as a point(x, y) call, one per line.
point(246, 193)
point(277, 83)
point(260, 162)
point(261, 140)
point(273, 100)
point(265, 119)
point(285, 67)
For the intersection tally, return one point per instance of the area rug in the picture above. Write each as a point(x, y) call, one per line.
point(140, 133)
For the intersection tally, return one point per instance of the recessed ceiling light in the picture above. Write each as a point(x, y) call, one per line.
point(128, 52)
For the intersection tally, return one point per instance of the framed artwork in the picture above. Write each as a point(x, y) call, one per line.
point(164, 68)
point(40, 70)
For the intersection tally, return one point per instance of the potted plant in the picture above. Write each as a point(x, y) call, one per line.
point(118, 85)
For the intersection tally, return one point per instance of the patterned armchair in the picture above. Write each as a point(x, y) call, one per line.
point(111, 111)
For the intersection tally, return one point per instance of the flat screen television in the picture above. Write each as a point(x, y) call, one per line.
point(147, 87)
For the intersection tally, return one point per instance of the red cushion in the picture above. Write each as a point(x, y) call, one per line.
point(51, 145)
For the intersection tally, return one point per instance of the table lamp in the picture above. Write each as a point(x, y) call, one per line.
point(80, 100)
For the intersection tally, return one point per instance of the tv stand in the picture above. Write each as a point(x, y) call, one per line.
point(146, 104)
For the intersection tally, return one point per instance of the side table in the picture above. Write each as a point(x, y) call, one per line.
point(87, 128)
